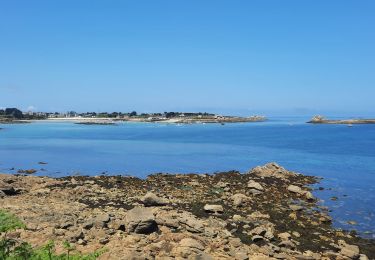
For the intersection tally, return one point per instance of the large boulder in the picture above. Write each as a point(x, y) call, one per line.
point(151, 199)
point(255, 185)
point(239, 200)
point(350, 251)
point(140, 220)
point(6, 189)
point(271, 170)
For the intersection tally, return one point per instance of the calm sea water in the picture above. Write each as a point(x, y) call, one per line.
point(343, 156)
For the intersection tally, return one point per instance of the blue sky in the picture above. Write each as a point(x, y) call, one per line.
point(291, 57)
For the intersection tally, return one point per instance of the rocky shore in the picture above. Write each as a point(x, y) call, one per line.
point(266, 213)
point(323, 120)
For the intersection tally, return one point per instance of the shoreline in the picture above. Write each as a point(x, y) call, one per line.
point(109, 120)
point(266, 212)
point(323, 120)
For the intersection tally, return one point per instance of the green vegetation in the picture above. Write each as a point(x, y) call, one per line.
point(13, 249)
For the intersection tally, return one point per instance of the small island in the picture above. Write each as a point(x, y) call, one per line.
point(322, 120)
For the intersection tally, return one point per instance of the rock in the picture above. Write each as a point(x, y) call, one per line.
point(6, 189)
point(75, 235)
point(350, 251)
point(240, 200)
point(237, 218)
point(151, 199)
point(271, 170)
point(140, 220)
point(189, 247)
point(284, 236)
point(255, 192)
point(309, 196)
point(257, 238)
point(222, 185)
point(265, 232)
point(294, 189)
point(191, 222)
point(241, 256)
point(88, 224)
point(104, 241)
point(101, 220)
point(29, 171)
point(255, 185)
point(66, 224)
point(217, 209)
point(192, 243)
point(287, 244)
point(363, 257)
point(295, 207)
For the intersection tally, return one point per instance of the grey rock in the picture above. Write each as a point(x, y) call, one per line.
point(140, 220)
point(151, 199)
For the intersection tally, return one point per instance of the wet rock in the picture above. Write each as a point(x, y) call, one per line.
point(217, 209)
point(140, 220)
point(29, 171)
point(151, 199)
point(309, 196)
point(255, 185)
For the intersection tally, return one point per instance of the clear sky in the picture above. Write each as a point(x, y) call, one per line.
point(267, 56)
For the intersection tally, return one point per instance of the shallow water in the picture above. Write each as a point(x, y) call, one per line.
point(344, 156)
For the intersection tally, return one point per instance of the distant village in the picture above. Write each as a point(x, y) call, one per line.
point(14, 113)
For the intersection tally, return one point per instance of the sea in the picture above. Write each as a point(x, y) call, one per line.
point(343, 156)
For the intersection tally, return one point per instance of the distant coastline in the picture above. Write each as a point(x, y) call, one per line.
point(14, 115)
point(323, 120)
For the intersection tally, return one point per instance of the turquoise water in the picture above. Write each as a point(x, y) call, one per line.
point(344, 156)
